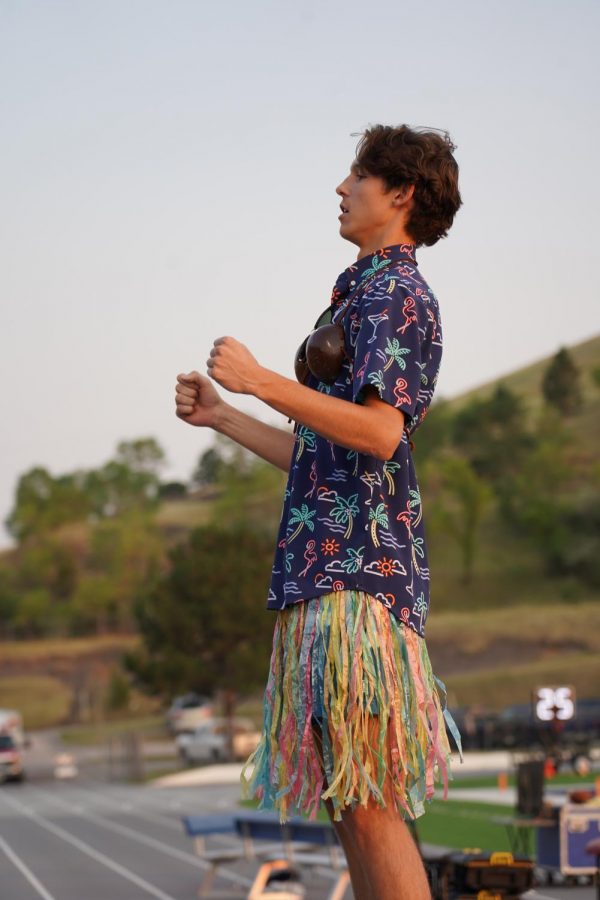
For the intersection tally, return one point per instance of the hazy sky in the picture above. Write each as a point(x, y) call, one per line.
point(168, 174)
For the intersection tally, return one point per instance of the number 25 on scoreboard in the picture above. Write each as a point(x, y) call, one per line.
point(554, 703)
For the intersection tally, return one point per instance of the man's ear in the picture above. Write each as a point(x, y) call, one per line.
point(403, 195)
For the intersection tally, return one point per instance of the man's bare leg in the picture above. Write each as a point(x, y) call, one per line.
point(383, 854)
point(358, 878)
point(383, 860)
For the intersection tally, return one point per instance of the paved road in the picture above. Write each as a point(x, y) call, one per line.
point(72, 840)
point(89, 840)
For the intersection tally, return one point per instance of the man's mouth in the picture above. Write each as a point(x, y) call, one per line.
point(343, 208)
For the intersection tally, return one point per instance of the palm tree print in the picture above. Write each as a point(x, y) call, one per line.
point(306, 438)
point(376, 379)
point(396, 354)
point(352, 454)
point(415, 500)
point(389, 467)
point(354, 562)
point(420, 607)
point(378, 516)
point(300, 518)
point(376, 266)
point(344, 512)
point(418, 546)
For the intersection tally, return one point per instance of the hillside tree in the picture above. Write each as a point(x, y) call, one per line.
point(561, 385)
point(462, 501)
point(204, 625)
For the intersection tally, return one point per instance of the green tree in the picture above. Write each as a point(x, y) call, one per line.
point(491, 433)
point(251, 494)
point(172, 490)
point(8, 599)
point(47, 563)
point(116, 488)
point(35, 614)
point(118, 692)
point(141, 455)
point(561, 383)
point(462, 503)
point(209, 467)
point(126, 555)
point(203, 625)
point(534, 499)
point(43, 502)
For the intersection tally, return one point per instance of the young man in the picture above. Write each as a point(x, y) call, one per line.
point(353, 713)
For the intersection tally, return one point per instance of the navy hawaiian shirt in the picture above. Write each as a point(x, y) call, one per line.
point(351, 521)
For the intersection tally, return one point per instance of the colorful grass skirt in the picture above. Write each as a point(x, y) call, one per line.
point(338, 662)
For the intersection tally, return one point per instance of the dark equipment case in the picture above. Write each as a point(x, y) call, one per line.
point(486, 876)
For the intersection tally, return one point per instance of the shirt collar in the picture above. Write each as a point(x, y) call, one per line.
point(368, 265)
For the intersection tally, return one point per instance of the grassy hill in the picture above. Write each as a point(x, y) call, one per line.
point(527, 382)
point(507, 570)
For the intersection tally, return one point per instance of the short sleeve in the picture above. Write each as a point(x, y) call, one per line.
point(388, 350)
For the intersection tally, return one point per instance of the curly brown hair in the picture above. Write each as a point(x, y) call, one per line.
point(404, 156)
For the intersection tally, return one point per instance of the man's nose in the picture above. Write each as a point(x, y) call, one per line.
point(341, 189)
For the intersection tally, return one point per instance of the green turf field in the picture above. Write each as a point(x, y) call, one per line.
point(461, 825)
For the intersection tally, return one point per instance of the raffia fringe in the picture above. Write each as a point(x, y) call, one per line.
point(343, 658)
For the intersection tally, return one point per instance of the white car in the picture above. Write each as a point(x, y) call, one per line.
point(208, 743)
point(188, 712)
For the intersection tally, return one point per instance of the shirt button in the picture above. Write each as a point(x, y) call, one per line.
point(352, 283)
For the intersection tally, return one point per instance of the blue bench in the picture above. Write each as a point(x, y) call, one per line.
point(199, 828)
point(275, 861)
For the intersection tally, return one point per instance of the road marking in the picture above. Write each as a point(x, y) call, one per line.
point(113, 802)
point(89, 851)
point(146, 812)
point(147, 840)
point(24, 870)
point(142, 811)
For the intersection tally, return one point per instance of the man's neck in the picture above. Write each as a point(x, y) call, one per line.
point(385, 238)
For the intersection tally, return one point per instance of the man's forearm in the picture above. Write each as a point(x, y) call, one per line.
point(374, 428)
point(275, 445)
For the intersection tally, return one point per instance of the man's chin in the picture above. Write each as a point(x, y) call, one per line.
point(348, 235)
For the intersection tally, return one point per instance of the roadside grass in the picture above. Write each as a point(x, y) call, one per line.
point(151, 727)
point(451, 823)
point(48, 648)
point(461, 825)
point(569, 779)
point(42, 701)
point(510, 684)
point(551, 624)
point(183, 514)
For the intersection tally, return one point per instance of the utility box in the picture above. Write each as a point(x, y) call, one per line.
point(563, 847)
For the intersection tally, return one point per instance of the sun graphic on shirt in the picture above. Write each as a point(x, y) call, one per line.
point(330, 546)
point(386, 566)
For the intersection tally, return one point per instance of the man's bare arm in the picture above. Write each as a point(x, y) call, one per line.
point(275, 445)
point(198, 403)
point(373, 427)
